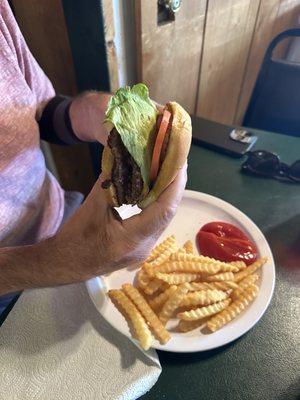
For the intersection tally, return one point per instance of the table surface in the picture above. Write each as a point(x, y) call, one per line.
point(264, 363)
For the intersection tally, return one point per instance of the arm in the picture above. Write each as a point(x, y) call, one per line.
point(28, 266)
point(92, 242)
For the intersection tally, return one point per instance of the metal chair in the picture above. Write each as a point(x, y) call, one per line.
point(275, 101)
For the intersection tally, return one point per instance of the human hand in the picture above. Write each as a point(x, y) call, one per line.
point(87, 114)
point(96, 241)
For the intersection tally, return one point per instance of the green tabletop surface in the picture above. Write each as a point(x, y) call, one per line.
point(265, 362)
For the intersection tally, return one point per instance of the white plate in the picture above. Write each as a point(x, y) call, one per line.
point(195, 210)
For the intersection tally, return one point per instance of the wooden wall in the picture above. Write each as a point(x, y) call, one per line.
point(112, 61)
point(209, 57)
point(169, 54)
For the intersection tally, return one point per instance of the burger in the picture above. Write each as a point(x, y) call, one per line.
point(146, 146)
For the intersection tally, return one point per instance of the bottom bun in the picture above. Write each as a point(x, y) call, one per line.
point(106, 166)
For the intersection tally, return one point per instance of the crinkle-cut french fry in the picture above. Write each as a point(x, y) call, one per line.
point(160, 248)
point(154, 265)
point(226, 285)
point(183, 257)
point(187, 266)
point(233, 310)
point(172, 303)
point(151, 318)
point(164, 255)
point(160, 300)
point(195, 286)
point(154, 285)
point(177, 279)
point(204, 311)
point(187, 326)
point(239, 264)
point(203, 298)
point(246, 282)
point(188, 246)
point(203, 260)
point(249, 280)
point(228, 268)
point(181, 250)
point(250, 270)
point(223, 276)
point(157, 250)
point(143, 279)
point(140, 326)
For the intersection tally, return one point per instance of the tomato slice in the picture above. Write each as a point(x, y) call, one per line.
point(163, 127)
point(158, 121)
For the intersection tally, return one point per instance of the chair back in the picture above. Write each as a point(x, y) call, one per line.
point(275, 101)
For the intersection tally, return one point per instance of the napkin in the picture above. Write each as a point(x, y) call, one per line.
point(55, 345)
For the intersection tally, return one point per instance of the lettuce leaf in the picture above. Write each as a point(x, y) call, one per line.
point(134, 115)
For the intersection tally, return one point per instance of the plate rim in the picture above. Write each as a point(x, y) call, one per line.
point(234, 212)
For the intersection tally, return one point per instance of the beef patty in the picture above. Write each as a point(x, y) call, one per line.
point(126, 175)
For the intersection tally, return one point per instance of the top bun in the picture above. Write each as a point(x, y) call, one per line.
point(176, 155)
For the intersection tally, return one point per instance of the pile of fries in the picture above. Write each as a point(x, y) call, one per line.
point(199, 291)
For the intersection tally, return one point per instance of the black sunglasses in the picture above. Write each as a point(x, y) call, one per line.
point(267, 164)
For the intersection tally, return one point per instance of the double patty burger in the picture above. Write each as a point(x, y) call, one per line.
point(145, 147)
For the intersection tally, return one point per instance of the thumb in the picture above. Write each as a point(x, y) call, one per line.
point(154, 219)
point(97, 201)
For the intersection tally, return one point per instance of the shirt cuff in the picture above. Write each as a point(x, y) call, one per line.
point(55, 123)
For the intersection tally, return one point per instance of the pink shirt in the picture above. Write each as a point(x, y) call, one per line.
point(31, 200)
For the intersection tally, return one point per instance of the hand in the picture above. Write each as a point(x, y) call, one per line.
point(87, 113)
point(96, 241)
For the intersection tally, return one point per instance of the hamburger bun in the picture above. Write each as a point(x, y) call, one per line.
point(175, 158)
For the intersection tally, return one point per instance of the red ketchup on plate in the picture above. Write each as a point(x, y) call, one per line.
point(226, 242)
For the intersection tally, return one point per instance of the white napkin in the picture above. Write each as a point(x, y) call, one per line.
point(55, 345)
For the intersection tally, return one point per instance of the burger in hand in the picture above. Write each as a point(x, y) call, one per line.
point(146, 146)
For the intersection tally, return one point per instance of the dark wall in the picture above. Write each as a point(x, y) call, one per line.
point(86, 33)
point(85, 26)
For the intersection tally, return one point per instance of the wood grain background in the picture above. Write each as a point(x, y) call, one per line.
point(224, 40)
point(169, 60)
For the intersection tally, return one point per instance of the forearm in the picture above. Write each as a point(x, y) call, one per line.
point(38, 265)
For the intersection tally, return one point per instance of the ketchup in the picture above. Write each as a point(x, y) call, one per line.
point(226, 242)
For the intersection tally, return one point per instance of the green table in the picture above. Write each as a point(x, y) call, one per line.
point(264, 363)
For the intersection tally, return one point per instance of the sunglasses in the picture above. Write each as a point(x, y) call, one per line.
point(267, 164)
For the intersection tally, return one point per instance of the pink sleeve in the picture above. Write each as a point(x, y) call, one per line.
point(37, 81)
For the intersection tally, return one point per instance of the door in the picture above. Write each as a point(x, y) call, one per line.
point(169, 51)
